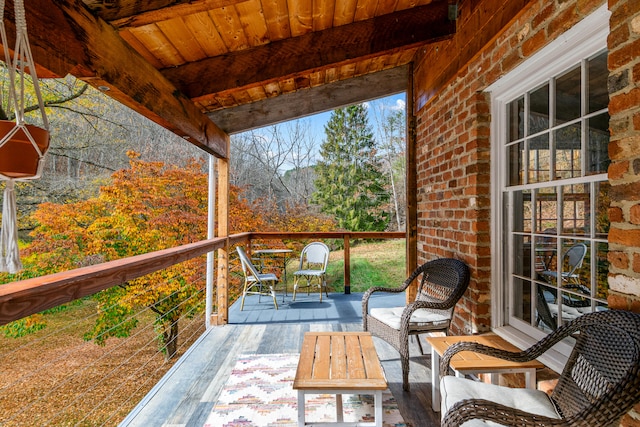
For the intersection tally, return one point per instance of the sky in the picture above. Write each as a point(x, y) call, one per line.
point(319, 120)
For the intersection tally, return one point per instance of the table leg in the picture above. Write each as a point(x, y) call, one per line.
point(435, 380)
point(530, 379)
point(339, 411)
point(301, 422)
point(378, 407)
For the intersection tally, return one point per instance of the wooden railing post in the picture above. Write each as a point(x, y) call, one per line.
point(347, 266)
point(223, 231)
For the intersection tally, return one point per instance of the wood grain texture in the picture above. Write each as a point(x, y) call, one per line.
point(312, 51)
point(339, 361)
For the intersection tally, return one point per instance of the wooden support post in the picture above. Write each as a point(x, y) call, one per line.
point(412, 191)
point(223, 231)
point(347, 266)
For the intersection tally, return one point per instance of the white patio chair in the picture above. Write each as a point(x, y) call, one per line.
point(314, 259)
point(256, 283)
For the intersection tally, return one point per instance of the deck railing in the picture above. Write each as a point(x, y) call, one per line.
point(146, 365)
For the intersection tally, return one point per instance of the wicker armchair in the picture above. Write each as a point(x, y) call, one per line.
point(442, 285)
point(599, 384)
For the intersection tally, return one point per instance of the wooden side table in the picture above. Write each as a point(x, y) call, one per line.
point(339, 363)
point(467, 362)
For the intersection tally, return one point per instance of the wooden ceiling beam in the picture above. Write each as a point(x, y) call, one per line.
point(66, 39)
point(160, 10)
point(314, 100)
point(313, 51)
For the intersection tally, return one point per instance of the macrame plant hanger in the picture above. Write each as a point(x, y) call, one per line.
point(22, 145)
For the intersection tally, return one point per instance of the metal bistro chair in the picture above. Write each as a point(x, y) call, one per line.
point(571, 261)
point(598, 385)
point(314, 259)
point(443, 283)
point(256, 283)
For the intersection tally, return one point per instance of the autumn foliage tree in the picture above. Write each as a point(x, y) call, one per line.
point(148, 207)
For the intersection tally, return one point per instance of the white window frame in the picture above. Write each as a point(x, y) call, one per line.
point(584, 39)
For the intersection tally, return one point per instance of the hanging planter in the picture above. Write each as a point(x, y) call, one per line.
point(22, 145)
point(22, 150)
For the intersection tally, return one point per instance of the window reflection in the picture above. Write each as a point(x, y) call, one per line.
point(568, 95)
point(558, 217)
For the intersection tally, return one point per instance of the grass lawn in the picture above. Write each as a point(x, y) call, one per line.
point(372, 264)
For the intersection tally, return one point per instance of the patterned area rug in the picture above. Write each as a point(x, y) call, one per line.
point(259, 393)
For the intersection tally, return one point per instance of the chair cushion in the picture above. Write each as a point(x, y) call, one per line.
point(422, 318)
point(309, 273)
point(264, 277)
point(454, 389)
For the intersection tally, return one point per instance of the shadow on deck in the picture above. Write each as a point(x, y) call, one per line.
point(188, 392)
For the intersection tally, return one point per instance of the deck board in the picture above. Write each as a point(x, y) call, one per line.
point(188, 392)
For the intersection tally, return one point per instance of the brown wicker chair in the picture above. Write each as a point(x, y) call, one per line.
point(442, 285)
point(599, 384)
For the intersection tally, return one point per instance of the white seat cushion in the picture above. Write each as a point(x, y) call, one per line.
point(454, 389)
point(309, 273)
point(422, 318)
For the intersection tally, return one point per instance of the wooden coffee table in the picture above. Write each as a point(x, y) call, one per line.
point(467, 362)
point(339, 363)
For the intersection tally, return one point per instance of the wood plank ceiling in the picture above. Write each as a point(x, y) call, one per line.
point(239, 63)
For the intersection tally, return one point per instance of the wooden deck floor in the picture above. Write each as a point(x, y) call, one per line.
point(188, 392)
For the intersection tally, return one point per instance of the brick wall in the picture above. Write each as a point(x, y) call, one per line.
point(624, 171)
point(453, 139)
point(624, 151)
point(453, 124)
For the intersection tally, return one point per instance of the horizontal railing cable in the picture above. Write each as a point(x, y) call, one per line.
point(138, 377)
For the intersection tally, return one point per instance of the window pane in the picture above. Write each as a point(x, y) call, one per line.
point(546, 210)
point(522, 215)
point(546, 319)
point(568, 149)
point(602, 271)
point(597, 144)
point(598, 94)
point(515, 114)
point(522, 259)
point(545, 251)
point(602, 209)
point(522, 299)
point(539, 110)
point(576, 202)
point(568, 96)
point(539, 159)
point(516, 163)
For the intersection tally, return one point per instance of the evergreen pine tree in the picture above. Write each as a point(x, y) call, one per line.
point(349, 183)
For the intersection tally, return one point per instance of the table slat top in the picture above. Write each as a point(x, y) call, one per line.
point(467, 360)
point(339, 361)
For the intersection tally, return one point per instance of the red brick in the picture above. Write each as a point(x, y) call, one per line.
point(636, 263)
point(629, 238)
point(634, 214)
point(617, 170)
point(585, 7)
point(533, 44)
point(625, 192)
point(623, 101)
point(618, 36)
point(617, 301)
point(618, 259)
point(543, 15)
point(615, 214)
point(620, 56)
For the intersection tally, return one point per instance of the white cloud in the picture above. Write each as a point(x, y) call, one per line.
point(400, 105)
